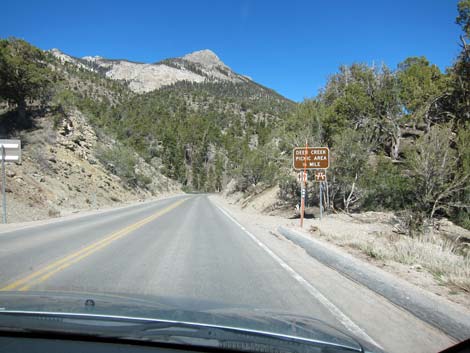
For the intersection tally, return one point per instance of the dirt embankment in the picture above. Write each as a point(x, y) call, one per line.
point(438, 261)
point(61, 174)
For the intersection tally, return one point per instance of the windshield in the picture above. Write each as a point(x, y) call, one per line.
point(299, 170)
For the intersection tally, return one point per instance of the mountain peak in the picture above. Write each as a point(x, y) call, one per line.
point(204, 57)
point(55, 51)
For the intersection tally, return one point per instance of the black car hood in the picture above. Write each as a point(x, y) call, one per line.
point(158, 308)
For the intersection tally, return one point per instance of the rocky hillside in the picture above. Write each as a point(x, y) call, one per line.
point(62, 171)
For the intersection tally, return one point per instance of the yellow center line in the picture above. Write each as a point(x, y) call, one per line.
point(49, 270)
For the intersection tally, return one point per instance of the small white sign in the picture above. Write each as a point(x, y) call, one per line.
point(12, 150)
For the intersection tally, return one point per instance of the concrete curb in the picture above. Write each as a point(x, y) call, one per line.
point(445, 316)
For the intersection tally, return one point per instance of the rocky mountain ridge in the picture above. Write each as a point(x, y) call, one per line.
point(199, 66)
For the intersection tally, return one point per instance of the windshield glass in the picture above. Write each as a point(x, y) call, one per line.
point(294, 169)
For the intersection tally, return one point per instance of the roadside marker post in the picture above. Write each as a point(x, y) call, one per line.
point(321, 206)
point(320, 177)
point(4, 194)
point(303, 191)
point(11, 152)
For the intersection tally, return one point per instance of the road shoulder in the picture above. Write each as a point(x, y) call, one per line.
point(376, 314)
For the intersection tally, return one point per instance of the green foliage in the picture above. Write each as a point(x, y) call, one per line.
point(305, 123)
point(457, 103)
point(289, 189)
point(65, 99)
point(350, 156)
point(122, 161)
point(24, 73)
point(187, 124)
point(461, 210)
point(386, 187)
point(366, 98)
point(420, 83)
point(463, 19)
point(257, 166)
point(463, 147)
point(348, 96)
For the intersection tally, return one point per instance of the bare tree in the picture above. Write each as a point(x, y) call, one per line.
point(434, 166)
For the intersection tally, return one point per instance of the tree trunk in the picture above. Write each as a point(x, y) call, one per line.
point(21, 108)
point(396, 139)
point(347, 201)
point(395, 152)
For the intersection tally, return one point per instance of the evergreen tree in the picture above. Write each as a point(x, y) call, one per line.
point(24, 74)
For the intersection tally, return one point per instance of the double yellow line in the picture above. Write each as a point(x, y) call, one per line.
point(46, 272)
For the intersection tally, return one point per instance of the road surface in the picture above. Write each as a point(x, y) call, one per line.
point(192, 251)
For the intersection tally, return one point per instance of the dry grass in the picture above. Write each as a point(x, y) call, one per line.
point(46, 135)
point(438, 255)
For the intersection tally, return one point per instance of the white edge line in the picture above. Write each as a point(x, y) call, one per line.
point(343, 318)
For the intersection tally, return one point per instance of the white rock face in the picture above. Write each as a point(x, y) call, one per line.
point(205, 57)
point(151, 77)
point(148, 77)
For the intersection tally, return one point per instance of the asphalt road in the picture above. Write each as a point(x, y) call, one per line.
point(185, 249)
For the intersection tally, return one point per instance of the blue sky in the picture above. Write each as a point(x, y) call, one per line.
point(290, 46)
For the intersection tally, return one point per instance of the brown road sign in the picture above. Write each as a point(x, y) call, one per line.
point(311, 158)
point(320, 175)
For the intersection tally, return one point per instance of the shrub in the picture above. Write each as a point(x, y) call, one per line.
point(121, 161)
point(387, 187)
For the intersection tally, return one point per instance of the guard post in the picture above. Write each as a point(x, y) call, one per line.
point(11, 152)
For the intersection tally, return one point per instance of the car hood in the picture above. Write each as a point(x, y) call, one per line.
point(160, 308)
